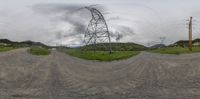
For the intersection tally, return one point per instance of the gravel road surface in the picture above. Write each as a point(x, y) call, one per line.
point(59, 76)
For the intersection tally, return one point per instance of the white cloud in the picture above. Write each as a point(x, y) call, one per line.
point(148, 20)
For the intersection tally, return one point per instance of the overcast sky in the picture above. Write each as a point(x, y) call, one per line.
point(58, 21)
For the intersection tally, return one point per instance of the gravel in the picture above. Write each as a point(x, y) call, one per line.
point(59, 76)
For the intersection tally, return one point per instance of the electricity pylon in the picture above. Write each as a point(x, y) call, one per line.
point(97, 30)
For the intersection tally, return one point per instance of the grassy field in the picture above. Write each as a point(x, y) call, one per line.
point(101, 55)
point(176, 50)
point(117, 47)
point(3, 49)
point(39, 51)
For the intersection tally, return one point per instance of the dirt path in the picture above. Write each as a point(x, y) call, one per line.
point(59, 76)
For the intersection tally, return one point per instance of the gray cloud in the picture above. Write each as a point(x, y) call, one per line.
point(75, 15)
point(121, 32)
point(114, 18)
point(146, 21)
point(126, 30)
point(119, 37)
point(56, 8)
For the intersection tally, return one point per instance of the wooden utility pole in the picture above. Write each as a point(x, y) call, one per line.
point(190, 34)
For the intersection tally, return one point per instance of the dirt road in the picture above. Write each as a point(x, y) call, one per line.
point(59, 76)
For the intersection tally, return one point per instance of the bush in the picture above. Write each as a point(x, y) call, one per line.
point(39, 51)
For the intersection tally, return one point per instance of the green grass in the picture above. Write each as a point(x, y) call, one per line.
point(39, 51)
point(3, 49)
point(176, 50)
point(102, 55)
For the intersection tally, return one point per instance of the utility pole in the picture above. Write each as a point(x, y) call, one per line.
point(190, 34)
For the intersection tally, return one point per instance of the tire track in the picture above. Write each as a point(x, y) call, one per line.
point(59, 76)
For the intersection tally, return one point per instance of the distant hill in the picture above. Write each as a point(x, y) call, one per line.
point(31, 43)
point(158, 46)
point(185, 43)
point(117, 47)
point(6, 42)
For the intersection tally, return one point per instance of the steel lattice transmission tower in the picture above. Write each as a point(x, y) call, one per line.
point(97, 30)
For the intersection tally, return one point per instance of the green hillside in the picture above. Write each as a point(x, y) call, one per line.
point(116, 47)
point(8, 43)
